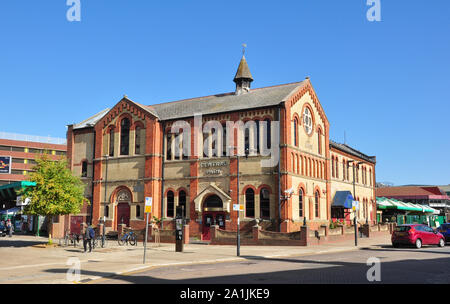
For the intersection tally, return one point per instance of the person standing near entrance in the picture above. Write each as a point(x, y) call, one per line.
point(9, 227)
point(85, 232)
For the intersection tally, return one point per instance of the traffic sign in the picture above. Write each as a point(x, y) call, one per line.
point(238, 207)
point(355, 205)
point(148, 204)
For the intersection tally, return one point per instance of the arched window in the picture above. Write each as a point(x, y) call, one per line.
point(343, 169)
point(370, 176)
point(348, 171)
point(336, 162)
point(170, 204)
point(249, 203)
point(137, 140)
point(169, 146)
point(319, 141)
point(295, 131)
point(138, 211)
point(247, 139)
point(316, 203)
point(106, 211)
point(300, 203)
point(224, 140)
point(84, 165)
point(213, 143)
point(264, 203)
point(258, 145)
point(307, 121)
point(268, 135)
point(182, 201)
point(332, 166)
point(111, 142)
point(124, 136)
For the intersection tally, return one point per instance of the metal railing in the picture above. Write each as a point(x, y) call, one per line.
point(33, 138)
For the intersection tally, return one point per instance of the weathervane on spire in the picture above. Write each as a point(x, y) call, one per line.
point(244, 45)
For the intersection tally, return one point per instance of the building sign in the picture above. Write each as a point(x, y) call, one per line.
point(238, 207)
point(213, 172)
point(148, 204)
point(213, 164)
point(5, 164)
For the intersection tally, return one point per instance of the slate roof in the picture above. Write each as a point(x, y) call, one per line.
point(91, 121)
point(228, 102)
point(351, 151)
point(243, 71)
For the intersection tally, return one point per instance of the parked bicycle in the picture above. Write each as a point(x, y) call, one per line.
point(129, 237)
point(98, 241)
point(71, 239)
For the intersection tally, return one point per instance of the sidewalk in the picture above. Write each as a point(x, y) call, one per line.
point(23, 263)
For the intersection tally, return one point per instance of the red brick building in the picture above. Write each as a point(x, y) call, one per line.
point(182, 153)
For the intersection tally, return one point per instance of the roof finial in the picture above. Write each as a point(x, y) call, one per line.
point(244, 45)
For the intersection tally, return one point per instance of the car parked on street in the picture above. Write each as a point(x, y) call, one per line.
point(417, 235)
point(445, 230)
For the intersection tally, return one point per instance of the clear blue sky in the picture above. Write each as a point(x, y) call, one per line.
point(386, 84)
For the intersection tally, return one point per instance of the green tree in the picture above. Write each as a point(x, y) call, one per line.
point(57, 191)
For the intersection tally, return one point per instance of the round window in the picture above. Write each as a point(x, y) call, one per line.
point(307, 121)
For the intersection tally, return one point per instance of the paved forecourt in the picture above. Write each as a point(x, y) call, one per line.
point(24, 262)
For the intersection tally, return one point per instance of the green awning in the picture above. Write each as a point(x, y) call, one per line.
point(9, 192)
point(384, 203)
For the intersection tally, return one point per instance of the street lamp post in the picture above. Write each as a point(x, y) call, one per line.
point(238, 235)
point(355, 223)
point(104, 209)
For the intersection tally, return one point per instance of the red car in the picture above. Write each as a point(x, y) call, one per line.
point(417, 235)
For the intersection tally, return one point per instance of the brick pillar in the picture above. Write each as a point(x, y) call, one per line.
point(186, 234)
point(255, 231)
point(305, 235)
point(212, 230)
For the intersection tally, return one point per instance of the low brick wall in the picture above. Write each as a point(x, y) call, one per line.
point(304, 237)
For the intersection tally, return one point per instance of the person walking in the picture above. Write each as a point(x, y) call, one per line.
point(87, 239)
point(9, 227)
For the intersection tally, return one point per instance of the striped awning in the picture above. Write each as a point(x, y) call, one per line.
point(390, 203)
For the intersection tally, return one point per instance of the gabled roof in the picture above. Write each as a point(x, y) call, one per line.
point(228, 102)
point(351, 151)
point(91, 121)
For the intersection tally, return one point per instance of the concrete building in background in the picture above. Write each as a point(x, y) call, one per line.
point(18, 153)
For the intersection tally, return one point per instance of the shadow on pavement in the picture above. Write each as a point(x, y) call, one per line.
point(11, 242)
point(309, 272)
point(407, 249)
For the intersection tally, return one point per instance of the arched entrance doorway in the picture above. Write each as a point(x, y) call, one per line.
point(123, 207)
point(213, 214)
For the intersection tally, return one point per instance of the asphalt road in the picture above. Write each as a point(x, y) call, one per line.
point(397, 265)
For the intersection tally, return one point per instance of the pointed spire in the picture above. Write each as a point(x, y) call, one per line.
point(243, 72)
point(243, 77)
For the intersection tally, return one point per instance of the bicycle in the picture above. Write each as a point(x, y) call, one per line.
point(71, 238)
point(129, 237)
point(99, 242)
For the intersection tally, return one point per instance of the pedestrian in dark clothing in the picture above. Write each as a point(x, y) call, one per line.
point(9, 227)
point(86, 238)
